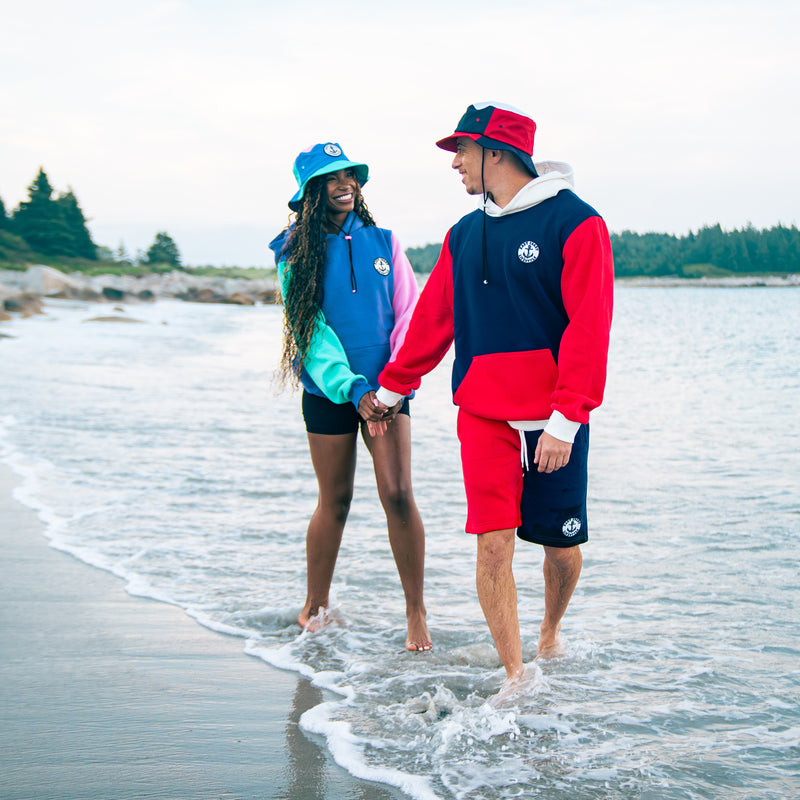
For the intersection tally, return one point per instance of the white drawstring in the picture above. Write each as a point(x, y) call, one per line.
point(523, 450)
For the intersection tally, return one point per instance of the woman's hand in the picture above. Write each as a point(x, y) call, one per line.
point(369, 409)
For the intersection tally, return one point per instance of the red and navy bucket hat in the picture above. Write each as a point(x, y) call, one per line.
point(320, 159)
point(498, 127)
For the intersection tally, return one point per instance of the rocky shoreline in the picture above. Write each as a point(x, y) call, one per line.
point(23, 293)
point(728, 281)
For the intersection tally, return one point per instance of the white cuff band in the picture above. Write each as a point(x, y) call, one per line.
point(388, 398)
point(562, 428)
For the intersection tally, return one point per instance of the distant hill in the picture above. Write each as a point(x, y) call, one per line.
point(711, 252)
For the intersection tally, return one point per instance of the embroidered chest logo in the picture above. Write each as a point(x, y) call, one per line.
point(382, 266)
point(571, 526)
point(528, 252)
point(332, 150)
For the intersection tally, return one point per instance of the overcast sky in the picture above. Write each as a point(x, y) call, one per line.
point(186, 115)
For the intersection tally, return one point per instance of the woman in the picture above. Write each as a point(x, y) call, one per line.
point(348, 293)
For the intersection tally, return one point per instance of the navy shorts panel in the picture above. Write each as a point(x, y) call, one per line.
point(333, 419)
point(553, 506)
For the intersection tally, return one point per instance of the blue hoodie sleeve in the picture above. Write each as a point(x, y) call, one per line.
point(326, 361)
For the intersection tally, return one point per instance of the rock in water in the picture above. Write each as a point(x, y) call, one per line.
point(26, 304)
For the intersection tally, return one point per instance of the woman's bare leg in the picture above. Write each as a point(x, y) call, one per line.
point(334, 462)
point(391, 457)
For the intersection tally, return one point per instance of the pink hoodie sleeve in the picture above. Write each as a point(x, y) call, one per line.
point(405, 295)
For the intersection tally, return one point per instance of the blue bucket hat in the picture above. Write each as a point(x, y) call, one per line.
point(320, 160)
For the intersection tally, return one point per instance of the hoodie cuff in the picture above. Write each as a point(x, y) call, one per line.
point(561, 428)
point(359, 388)
point(388, 398)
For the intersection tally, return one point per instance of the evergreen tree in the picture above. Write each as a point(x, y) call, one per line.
point(39, 221)
point(163, 251)
point(53, 227)
point(82, 245)
point(121, 254)
point(4, 221)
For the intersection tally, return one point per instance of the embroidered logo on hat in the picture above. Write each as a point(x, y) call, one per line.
point(332, 150)
point(382, 266)
point(528, 252)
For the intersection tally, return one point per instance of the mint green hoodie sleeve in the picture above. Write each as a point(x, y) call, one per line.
point(326, 361)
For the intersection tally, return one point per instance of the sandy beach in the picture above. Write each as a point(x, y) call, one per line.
point(106, 696)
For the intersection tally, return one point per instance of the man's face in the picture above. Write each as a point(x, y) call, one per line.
point(467, 161)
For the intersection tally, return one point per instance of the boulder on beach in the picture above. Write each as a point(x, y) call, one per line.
point(241, 299)
point(114, 295)
point(46, 281)
point(25, 303)
point(268, 296)
point(201, 294)
point(111, 318)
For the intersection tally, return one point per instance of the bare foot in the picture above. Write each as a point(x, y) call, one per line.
point(550, 644)
point(520, 682)
point(418, 640)
point(313, 622)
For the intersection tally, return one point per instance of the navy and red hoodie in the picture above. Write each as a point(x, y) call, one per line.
point(531, 343)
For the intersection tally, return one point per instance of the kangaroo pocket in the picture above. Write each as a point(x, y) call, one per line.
point(369, 361)
point(509, 386)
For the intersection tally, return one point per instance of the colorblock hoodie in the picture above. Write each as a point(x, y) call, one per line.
point(364, 313)
point(531, 344)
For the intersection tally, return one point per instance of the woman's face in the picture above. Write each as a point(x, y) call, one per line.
point(341, 194)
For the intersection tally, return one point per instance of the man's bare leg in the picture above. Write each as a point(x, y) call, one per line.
point(561, 568)
point(334, 461)
point(497, 593)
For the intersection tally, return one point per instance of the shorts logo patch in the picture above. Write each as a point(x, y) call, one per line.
point(382, 266)
point(571, 527)
point(332, 150)
point(528, 252)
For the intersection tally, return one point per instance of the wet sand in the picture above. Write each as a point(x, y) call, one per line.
point(105, 696)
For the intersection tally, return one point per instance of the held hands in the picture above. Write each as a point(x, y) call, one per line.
point(551, 453)
point(376, 414)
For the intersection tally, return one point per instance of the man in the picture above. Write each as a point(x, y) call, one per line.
point(524, 287)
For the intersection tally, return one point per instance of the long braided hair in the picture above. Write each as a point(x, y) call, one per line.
point(305, 250)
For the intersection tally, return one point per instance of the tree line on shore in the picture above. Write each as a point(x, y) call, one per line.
point(55, 228)
point(711, 252)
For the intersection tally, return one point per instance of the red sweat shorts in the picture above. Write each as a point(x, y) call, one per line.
point(545, 508)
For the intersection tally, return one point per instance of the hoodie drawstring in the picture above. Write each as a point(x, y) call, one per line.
point(353, 284)
point(523, 451)
point(349, 239)
point(483, 238)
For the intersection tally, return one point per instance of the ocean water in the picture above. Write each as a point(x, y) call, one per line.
point(163, 453)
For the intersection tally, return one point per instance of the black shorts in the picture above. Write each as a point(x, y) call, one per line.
point(333, 419)
point(553, 506)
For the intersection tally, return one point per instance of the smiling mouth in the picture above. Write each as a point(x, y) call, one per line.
point(344, 198)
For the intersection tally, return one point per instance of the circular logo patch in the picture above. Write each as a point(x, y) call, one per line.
point(528, 252)
point(332, 150)
point(571, 526)
point(381, 265)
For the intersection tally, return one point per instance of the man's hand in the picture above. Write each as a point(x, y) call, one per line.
point(551, 453)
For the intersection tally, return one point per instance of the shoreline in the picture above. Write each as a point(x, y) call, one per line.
point(23, 293)
point(722, 282)
point(110, 695)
